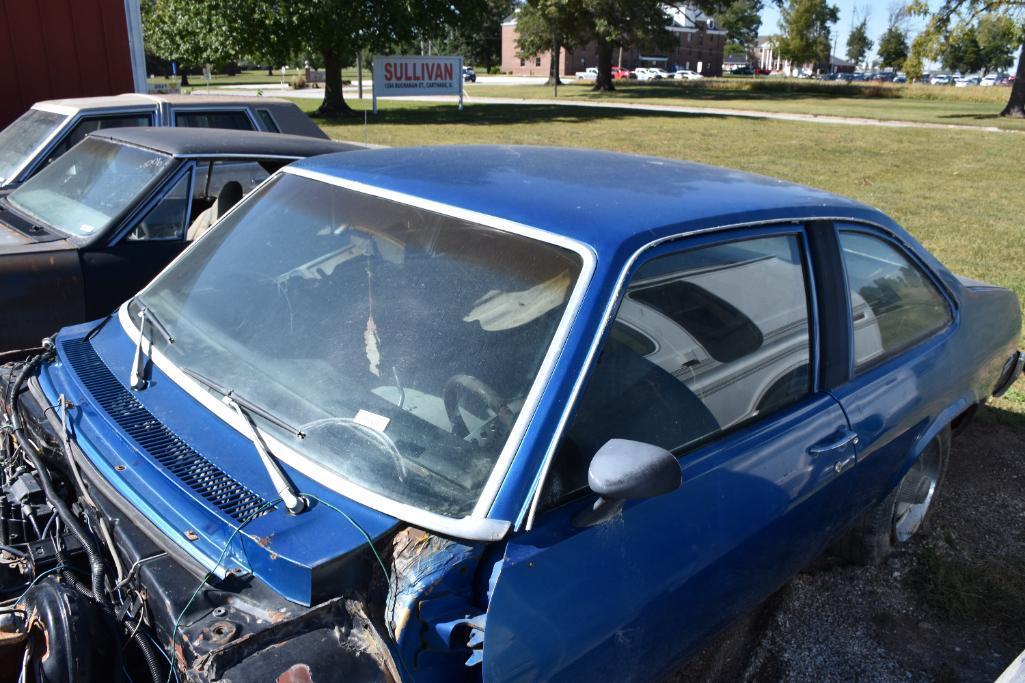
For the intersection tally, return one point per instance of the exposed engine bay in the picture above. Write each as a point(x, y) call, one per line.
point(90, 590)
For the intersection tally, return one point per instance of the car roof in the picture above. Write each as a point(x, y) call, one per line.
point(205, 141)
point(603, 199)
point(137, 99)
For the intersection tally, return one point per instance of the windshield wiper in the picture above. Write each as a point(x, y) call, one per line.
point(135, 379)
point(246, 409)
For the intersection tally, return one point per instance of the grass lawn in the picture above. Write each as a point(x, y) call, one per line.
point(958, 192)
point(928, 104)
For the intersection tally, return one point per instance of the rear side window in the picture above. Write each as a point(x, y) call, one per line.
point(234, 120)
point(268, 121)
point(704, 340)
point(893, 303)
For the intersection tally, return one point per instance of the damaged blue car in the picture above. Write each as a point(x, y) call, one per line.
point(480, 413)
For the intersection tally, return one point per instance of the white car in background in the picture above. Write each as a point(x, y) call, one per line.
point(647, 74)
point(940, 79)
point(659, 73)
point(990, 80)
point(686, 75)
point(965, 81)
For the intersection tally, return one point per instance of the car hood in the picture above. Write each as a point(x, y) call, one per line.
point(198, 480)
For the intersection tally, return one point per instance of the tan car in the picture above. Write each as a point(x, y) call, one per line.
point(52, 127)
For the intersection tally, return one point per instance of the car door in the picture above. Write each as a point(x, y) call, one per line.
point(713, 355)
point(899, 316)
point(121, 265)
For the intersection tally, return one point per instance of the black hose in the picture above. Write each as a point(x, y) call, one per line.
point(97, 569)
point(154, 661)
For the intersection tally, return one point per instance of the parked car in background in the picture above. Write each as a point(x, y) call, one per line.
point(393, 422)
point(900, 78)
point(52, 127)
point(686, 75)
point(659, 73)
point(649, 74)
point(940, 79)
point(619, 73)
point(965, 81)
point(469, 75)
point(588, 74)
point(98, 223)
point(993, 79)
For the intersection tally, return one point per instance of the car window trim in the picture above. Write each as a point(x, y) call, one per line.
point(930, 276)
point(266, 110)
point(798, 229)
point(525, 519)
point(31, 167)
point(157, 193)
point(479, 525)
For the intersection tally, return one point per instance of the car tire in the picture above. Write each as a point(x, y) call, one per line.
point(903, 513)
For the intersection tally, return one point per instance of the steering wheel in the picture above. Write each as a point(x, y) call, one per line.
point(381, 439)
point(461, 387)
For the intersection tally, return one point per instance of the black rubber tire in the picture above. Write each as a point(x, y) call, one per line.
point(872, 539)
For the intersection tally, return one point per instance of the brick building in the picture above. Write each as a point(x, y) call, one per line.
point(698, 45)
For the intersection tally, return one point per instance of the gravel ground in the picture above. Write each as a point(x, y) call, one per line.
point(947, 606)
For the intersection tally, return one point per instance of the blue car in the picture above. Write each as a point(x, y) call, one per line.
point(498, 413)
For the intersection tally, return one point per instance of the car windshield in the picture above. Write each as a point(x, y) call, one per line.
point(83, 191)
point(21, 138)
point(399, 342)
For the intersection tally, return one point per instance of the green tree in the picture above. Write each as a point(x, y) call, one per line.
point(187, 32)
point(944, 21)
point(805, 33)
point(893, 48)
point(618, 23)
point(997, 35)
point(741, 19)
point(961, 52)
point(550, 26)
point(479, 38)
point(858, 42)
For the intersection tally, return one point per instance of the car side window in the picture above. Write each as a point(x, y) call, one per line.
point(705, 340)
point(211, 177)
point(166, 220)
point(231, 119)
point(90, 124)
point(268, 121)
point(893, 303)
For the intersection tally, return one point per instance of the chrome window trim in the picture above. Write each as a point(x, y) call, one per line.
point(477, 525)
point(525, 519)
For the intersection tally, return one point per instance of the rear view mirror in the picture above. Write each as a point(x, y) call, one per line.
point(622, 470)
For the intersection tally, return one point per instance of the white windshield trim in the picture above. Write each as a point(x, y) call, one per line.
point(477, 525)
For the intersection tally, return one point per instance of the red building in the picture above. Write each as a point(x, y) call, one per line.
point(698, 45)
point(68, 48)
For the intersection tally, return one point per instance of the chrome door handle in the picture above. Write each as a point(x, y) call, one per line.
point(848, 438)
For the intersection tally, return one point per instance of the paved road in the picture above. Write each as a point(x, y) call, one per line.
point(317, 94)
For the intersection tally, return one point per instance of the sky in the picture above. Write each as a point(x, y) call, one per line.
point(878, 15)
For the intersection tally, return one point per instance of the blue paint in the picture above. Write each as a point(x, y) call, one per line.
point(630, 597)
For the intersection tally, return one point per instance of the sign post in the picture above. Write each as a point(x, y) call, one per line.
point(413, 76)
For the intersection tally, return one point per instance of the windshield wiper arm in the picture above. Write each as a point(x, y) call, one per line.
point(135, 379)
point(245, 409)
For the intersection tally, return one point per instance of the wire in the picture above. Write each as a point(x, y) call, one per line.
point(227, 545)
point(220, 558)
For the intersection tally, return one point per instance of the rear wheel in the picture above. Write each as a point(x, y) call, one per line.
point(904, 512)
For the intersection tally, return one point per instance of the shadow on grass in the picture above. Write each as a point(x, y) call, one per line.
point(503, 114)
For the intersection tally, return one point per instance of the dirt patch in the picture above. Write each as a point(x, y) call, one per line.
point(947, 606)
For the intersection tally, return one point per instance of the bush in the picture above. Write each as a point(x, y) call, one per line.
point(494, 70)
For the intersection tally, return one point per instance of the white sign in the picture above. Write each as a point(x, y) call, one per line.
point(407, 76)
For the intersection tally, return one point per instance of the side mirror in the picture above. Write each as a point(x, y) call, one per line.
point(622, 470)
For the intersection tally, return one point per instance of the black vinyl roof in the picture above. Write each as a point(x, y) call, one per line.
point(186, 142)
